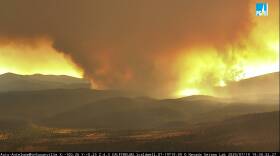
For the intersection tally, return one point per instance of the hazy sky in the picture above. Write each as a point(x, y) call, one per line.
point(159, 47)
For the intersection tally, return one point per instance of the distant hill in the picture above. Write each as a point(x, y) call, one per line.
point(133, 113)
point(12, 124)
point(29, 98)
point(13, 82)
point(251, 132)
point(248, 121)
point(35, 105)
point(256, 89)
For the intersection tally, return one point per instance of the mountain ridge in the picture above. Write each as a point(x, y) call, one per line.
point(14, 82)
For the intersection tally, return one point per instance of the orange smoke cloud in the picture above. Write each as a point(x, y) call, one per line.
point(158, 48)
point(32, 57)
point(203, 68)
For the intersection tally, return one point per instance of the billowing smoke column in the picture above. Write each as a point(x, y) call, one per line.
point(129, 45)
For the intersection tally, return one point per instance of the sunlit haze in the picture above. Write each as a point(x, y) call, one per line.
point(192, 60)
point(21, 57)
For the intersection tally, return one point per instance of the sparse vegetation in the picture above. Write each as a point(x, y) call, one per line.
point(90, 120)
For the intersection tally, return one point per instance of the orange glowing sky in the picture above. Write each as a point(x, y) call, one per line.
point(117, 62)
point(261, 56)
point(36, 58)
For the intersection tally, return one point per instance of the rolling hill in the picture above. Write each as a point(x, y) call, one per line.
point(255, 132)
point(36, 106)
point(87, 108)
point(13, 82)
point(132, 113)
point(256, 89)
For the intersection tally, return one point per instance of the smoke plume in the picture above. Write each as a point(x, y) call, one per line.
point(128, 45)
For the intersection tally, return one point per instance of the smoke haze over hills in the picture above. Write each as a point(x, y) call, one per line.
point(141, 75)
point(156, 48)
point(86, 119)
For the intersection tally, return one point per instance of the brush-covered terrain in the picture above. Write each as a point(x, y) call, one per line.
point(69, 116)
